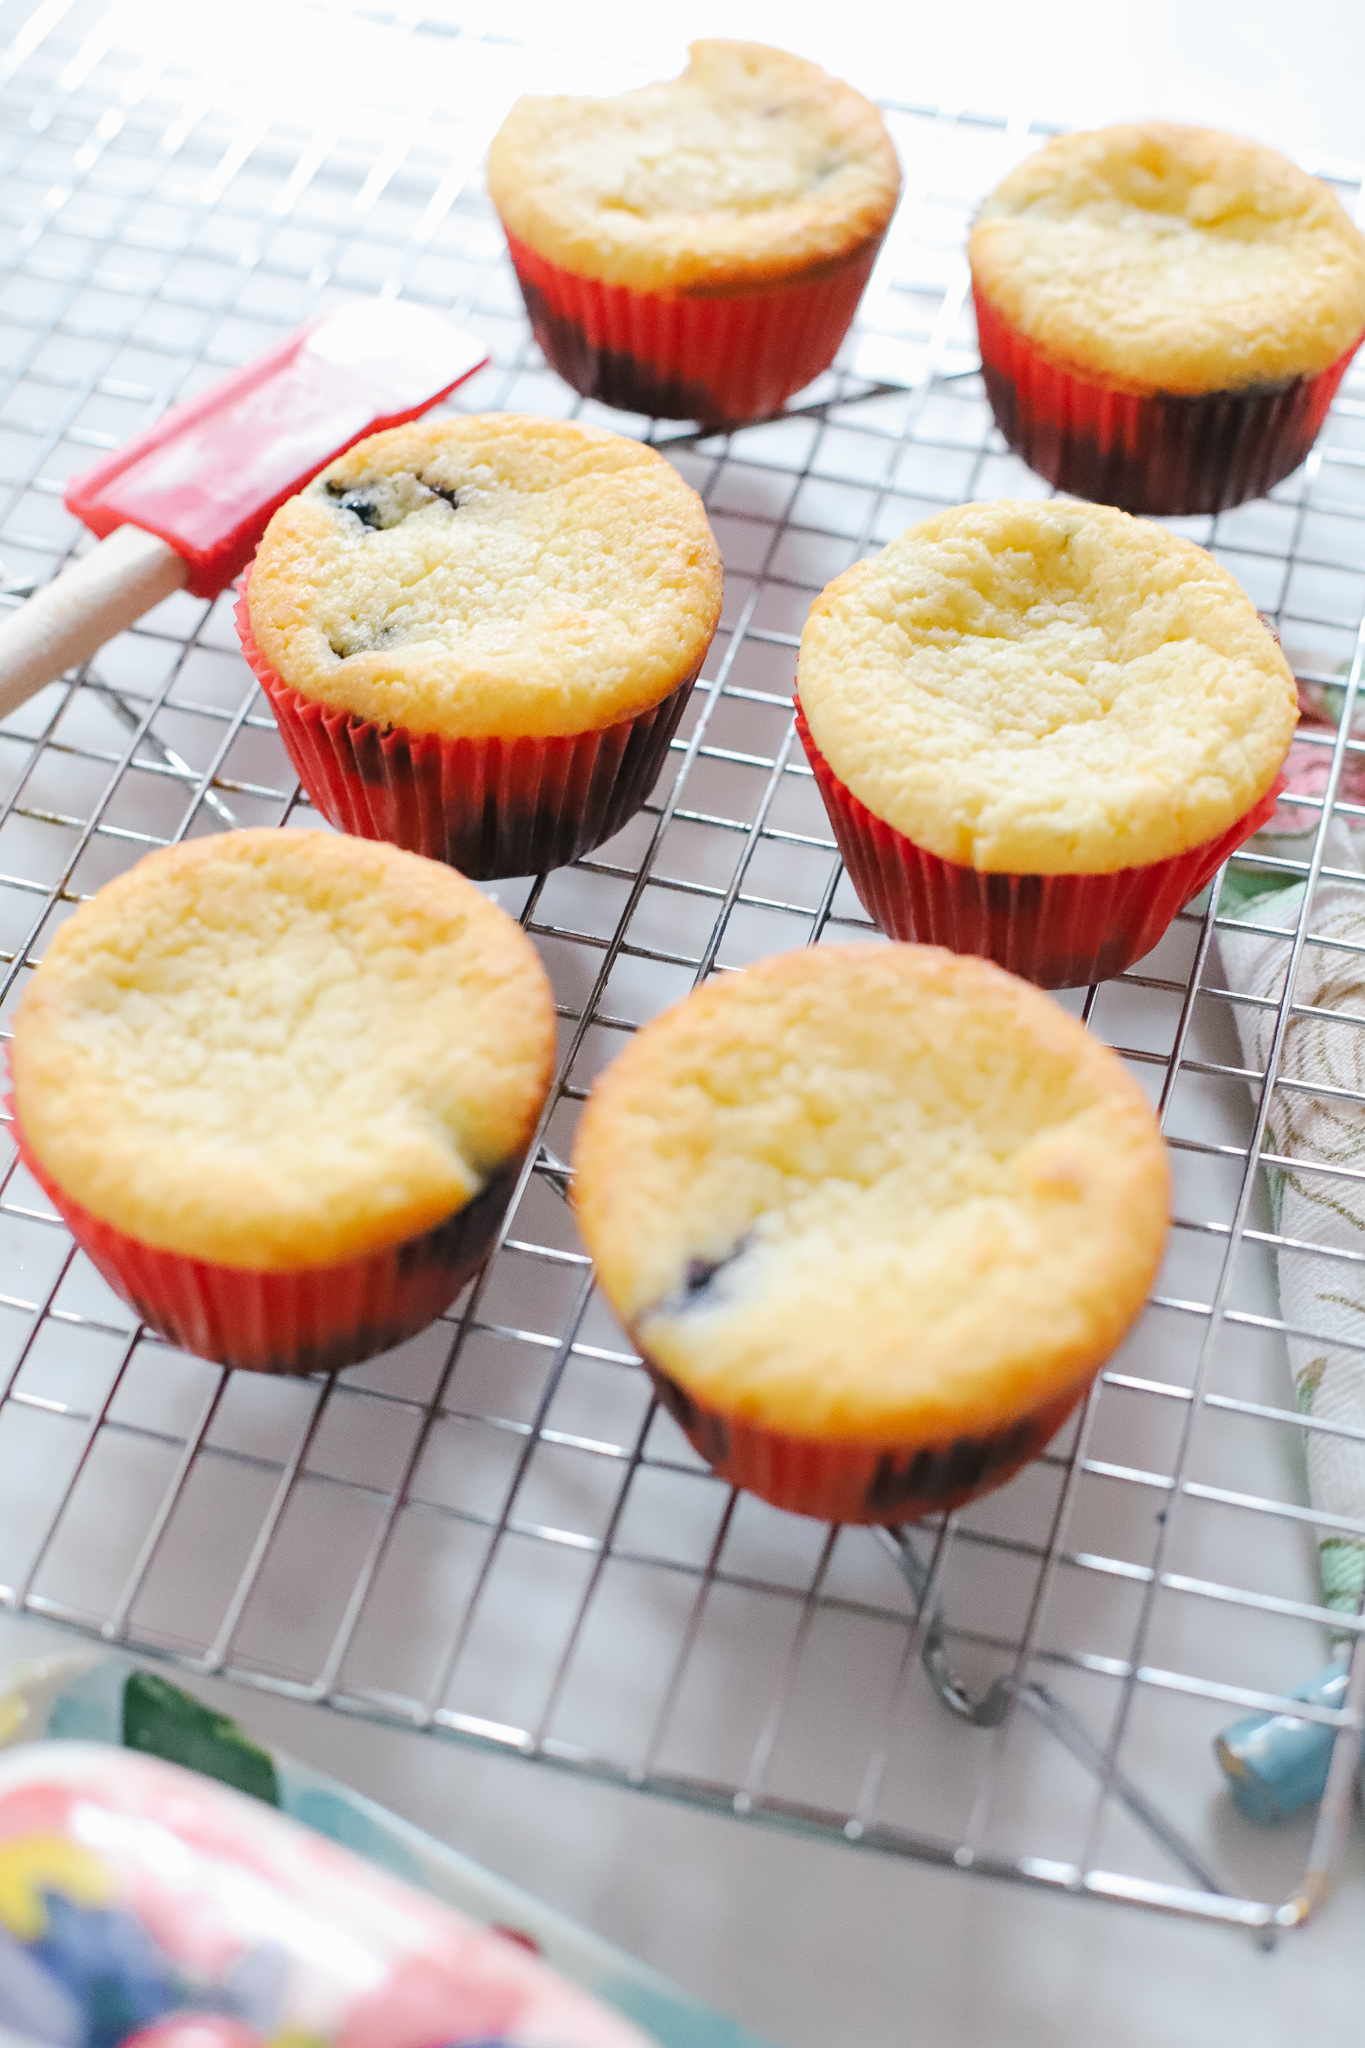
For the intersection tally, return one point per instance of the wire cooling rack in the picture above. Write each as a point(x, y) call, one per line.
point(494, 1533)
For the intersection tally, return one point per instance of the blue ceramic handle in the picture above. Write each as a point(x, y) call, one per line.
point(1276, 1763)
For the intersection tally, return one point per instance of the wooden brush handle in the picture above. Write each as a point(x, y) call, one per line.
point(70, 618)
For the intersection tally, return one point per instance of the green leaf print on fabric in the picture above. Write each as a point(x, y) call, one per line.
point(1307, 1384)
point(163, 1721)
point(1343, 1572)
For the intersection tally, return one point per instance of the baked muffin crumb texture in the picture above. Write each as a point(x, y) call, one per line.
point(275, 1049)
point(872, 1192)
point(752, 167)
point(1157, 257)
point(1046, 686)
point(489, 576)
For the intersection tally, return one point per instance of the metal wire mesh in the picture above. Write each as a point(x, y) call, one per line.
point(494, 1533)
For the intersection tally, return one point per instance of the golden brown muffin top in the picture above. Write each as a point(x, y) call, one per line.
point(282, 1049)
point(1163, 258)
point(752, 167)
point(1046, 687)
point(872, 1193)
point(491, 576)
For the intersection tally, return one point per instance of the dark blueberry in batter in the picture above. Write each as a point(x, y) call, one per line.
point(700, 1273)
point(695, 1291)
point(366, 742)
point(366, 510)
point(610, 374)
point(364, 502)
point(368, 640)
point(708, 1432)
point(453, 498)
point(937, 1475)
point(388, 500)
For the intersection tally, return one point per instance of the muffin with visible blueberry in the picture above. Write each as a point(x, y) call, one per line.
point(280, 1086)
point(696, 248)
point(478, 635)
point(1039, 728)
point(1165, 314)
point(874, 1216)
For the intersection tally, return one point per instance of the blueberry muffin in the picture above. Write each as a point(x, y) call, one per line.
point(874, 1216)
point(479, 635)
point(1165, 313)
point(280, 1085)
point(1039, 728)
point(696, 248)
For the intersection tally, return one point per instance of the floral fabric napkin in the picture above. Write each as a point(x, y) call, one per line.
point(1321, 1294)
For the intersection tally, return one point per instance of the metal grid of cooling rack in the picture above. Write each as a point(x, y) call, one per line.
point(493, 1533)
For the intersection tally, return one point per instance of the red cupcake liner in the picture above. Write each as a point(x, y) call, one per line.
point(314, 1319)
point(1154, 452)
point(488, 807)
point(1060, 931)
point(716, 358)
point(838, 1481)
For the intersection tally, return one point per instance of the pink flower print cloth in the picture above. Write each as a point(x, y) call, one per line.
point(142, 1906)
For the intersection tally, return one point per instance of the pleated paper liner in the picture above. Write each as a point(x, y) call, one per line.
point(1151, 452)
point(314, 1319)
point(837, 1481)
point(721, 357)
point(1060, 931)
point(489, 807)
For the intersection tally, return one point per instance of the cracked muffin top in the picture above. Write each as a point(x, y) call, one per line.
point(872, 1191)
point(752, 167)
point(1164, 258)
point(278, 1049)
point(491, 576)
point(1046, 687)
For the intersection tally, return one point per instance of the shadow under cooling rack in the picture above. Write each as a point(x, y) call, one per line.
point(493, 1532)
